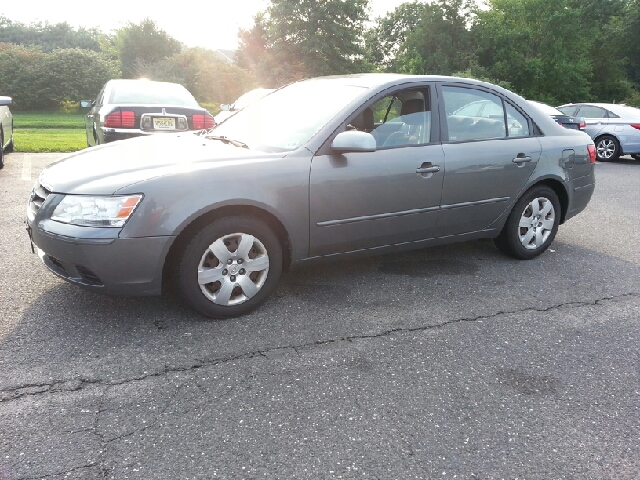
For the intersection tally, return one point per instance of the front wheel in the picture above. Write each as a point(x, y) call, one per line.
point(1, 150)
point(607, 148)
point(532, 224)
point(10, 146)
point(230, 267)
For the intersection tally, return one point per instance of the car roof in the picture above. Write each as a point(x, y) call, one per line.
point(122, 81)
point(370, 80)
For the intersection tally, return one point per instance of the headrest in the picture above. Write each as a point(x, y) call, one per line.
point(412, 106)
point(364, 120)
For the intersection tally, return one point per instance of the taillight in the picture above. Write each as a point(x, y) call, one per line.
point(126, 119)
point(582, 125)
point(592, 153)
point(203, 121)
point(635, 125)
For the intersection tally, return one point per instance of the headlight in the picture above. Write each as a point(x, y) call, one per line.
point(95, 211)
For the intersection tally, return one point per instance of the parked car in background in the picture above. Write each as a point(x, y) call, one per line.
point(324, 168)
point(615, 128)
point(567, 121)
point(131, 108)
point(6, 128)
point(242, 101)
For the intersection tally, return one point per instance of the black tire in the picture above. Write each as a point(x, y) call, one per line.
point(246, 290)
point(1, 151)
point(9, 147)
point(636, 157)
point(515, 239)
point(607, 148)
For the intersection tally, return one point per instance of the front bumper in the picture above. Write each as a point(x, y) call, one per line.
point(114, 266)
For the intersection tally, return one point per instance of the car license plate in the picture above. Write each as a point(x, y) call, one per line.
point(164, 123)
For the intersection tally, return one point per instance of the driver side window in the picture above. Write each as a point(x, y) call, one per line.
point(397, 120)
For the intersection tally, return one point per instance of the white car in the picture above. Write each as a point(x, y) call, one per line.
point(6, 128)
point(242, 101)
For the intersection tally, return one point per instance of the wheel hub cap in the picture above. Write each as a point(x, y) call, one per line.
point(233, 269)
point(536, 223)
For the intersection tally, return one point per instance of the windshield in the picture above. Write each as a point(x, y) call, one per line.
point(289, 117)
point(250, 97)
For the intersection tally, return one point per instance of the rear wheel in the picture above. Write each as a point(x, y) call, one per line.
point(532, 224)
point(607, 148)
point(230, 267)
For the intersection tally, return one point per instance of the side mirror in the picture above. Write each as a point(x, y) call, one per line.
point(353, 141)
point(5, 100)
point(225, 107)
point(86, 103)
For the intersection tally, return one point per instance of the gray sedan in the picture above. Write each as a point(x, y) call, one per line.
point(614, 128)
point(324, 168)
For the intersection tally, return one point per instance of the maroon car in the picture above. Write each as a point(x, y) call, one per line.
point(131, 108)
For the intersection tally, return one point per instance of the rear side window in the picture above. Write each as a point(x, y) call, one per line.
point(568, 110)
point(517, 124)
point(589, 111)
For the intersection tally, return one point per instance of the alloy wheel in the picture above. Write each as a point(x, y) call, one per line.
point(536, 223)
point(233, 269)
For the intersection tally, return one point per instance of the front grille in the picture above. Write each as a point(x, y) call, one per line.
point(38, 195)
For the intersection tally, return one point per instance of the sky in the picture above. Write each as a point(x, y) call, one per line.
point(211, 24)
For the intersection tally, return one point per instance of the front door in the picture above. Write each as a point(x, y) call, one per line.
point(365, 200)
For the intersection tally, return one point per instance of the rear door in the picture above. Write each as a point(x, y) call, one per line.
point(488, 160)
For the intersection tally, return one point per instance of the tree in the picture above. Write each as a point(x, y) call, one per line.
point(41, 81)
point(387, 37)
point(202, 72)
point(143, 42)
point(303, 38)
point(49, 36)
point(441, 42)
point(538, 46)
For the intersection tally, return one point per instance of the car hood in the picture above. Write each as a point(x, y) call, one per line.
point(111, 167)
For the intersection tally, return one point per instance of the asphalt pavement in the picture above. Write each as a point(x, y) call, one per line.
point(450, 362)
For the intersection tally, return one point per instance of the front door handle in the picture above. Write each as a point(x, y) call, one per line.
point(521, 158)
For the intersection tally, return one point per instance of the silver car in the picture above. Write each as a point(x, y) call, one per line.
point(615, 128)
point(323, 168)
point(6, 128)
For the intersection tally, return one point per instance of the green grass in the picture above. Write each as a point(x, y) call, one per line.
point(48, 120)
point(37, 140)
point(37, 132)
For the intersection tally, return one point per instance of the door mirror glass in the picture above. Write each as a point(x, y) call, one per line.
point(86, 103)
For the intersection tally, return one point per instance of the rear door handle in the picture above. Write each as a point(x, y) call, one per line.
point(428, 169)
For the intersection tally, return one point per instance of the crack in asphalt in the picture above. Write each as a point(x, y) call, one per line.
point(78, 384)
point(57, 474)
